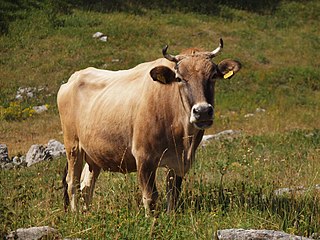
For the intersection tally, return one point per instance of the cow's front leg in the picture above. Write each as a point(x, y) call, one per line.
point(173, 189)
point(146, 175)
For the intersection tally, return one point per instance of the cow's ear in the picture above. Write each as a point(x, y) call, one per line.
point(228, 68)
point(163, 74)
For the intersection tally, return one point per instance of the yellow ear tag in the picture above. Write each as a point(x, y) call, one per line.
point(227, 75)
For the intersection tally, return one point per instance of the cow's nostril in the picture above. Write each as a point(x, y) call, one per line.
point(210, 111)
point(196, 111)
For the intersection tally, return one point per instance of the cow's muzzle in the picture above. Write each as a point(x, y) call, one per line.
point(202, 115)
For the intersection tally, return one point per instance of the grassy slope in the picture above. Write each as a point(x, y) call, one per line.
point(280, 73)
point(278, 52)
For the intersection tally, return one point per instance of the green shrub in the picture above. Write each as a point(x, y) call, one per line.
point(16, 112)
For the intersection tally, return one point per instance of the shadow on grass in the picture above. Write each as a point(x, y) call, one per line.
point(197, 6)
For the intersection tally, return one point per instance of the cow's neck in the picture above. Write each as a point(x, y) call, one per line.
point(192, 136)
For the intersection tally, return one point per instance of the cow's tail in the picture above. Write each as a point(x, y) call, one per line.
point(65, 188)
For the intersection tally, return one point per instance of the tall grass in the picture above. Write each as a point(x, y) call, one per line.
point(231, 185)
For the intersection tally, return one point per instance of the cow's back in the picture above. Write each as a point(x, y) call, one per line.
point(85, 87)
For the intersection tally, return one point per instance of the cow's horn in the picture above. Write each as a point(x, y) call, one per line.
point(168, 56)
point(217, 50)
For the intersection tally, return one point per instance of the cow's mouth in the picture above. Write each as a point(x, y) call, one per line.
point(203, 124)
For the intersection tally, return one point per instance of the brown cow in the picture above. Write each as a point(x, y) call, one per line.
point(153, 115)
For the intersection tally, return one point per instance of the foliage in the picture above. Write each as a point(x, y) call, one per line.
point(15, 111)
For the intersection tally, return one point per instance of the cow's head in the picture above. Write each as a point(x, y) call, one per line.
point(195, 72)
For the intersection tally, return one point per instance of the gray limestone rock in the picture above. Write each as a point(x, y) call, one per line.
point(36, 154)
point(242, 234)
point(4, 156)
point(56, 148)
point(226, 134)
point(32, 233)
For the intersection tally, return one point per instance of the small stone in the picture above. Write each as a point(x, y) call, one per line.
point(97, 35)
point(16, 160)
point(27, 92)
point(19, 97)
point(40, 109)
point(260, 110)
point(103, 38)
point(249, 115)
point(8, 166)
point(4, 156)
point(19, 161)
point(30, 94)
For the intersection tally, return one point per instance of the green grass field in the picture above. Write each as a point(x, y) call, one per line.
point(232, 183)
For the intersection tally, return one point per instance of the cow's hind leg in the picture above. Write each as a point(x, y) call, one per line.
point(89, 176)
point(74, 173)
point(173, 190)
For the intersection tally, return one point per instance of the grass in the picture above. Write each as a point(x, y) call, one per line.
point(252, 168)
point(280, 72)
point(232, 183)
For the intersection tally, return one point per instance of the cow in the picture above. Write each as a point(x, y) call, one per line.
point(136, 120)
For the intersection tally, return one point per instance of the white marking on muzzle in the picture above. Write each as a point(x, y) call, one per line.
point(201, 112)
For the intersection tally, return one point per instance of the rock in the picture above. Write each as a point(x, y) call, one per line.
point(103, 38)
point(242, 234)
point(19, 161)
point(226, 134)
point(36, 154)
point(7, 166)
point(19, 97)
point(282, 191)
point(4, 156)
point(56, 148)
point(30, 94)
point(40, 109)
point(27, 92)
point(43, 232)
point(260, 110)
point(99, 35)
point(299, 189)
point(249, 115)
